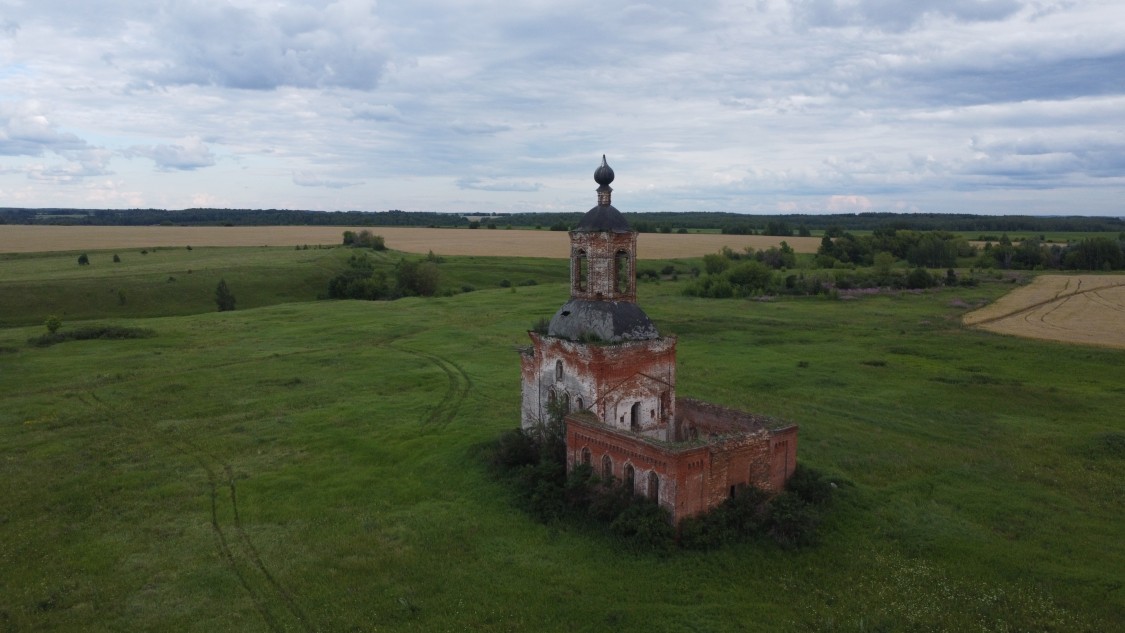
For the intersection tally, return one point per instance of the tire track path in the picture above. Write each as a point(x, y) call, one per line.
point(277, 606)
point(456, 391)
point(1061, 297)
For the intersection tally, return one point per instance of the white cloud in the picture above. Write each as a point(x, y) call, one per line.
point(492, 184)
point(191, 155)
point(26, 131)
point(306, 179)
point(848, 204)
point(264, 46)
point(442, 105)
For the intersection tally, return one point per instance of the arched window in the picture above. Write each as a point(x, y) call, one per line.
point(566, 402)
point(581, 269)
point(551, 396)
point(654, 486)
point(635, 416)
point(586, 456)
point(630, 477)
point(558, 371)
point(581, 406)
point(607, 468)
point(622, 272)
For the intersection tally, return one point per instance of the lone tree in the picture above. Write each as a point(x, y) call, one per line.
point(83, 260)
point(223, 296)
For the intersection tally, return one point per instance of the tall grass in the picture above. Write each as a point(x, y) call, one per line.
point(316, 466)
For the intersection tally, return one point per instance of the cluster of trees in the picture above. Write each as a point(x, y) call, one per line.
point(728, 274)
point(363, 280)
point(1094, 253)
point(365, 239)
point(779, 228)
point(535, 463)
point(930, 249)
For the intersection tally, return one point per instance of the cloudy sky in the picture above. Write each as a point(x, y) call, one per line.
point(756, 106)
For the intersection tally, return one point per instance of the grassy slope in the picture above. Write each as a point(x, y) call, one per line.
point(313, 467)
point(177, 281)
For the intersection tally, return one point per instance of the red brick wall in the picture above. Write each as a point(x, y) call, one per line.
point(693, 478)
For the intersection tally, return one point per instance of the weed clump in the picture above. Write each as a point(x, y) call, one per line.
point(113, 332)
point(534, 461)
point(789, 519)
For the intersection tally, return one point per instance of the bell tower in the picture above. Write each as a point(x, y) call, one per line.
point(603, 250)
point(603, 276)
point(601, 353)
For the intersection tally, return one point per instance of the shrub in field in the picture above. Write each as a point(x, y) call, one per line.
point(791, 522)
point(224, 298)
point(53, 324)
point(810, 485)
point(919, 278)
point(83, 260)
point(116, 258)
point(360, 281)
point(417, 278)
point(645, 527)
point(514, 449)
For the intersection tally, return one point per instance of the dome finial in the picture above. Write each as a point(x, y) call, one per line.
point(603, 175)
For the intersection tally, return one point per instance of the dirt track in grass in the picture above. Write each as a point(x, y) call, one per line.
point(500, 242)
point(1088, 309)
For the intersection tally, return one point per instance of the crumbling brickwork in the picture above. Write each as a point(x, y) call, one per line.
point(693, 475)
point(606, 363)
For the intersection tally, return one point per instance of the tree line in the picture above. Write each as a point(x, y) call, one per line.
point(645, 222)
point(848, 262)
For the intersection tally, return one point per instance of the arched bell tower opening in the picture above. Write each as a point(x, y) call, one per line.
point(579, 272)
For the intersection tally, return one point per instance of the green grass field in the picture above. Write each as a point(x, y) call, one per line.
point(316, 465)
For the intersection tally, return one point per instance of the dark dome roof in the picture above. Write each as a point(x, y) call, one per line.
point(603, 217)
point(603, 175)
point(609, 321)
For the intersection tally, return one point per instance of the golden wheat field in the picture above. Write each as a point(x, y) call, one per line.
point(500, 242)
point(1086, 309)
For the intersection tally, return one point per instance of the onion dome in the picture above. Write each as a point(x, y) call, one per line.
point(603, 175)
point(603, 217)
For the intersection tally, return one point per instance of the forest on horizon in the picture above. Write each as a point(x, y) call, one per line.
point(644, 222)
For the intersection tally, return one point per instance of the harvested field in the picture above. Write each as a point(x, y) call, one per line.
point(501, 242)
point(1088, 309)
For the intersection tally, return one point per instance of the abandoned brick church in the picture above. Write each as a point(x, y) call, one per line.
point(604, 362)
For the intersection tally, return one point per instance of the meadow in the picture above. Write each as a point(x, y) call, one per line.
point(318, 465)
